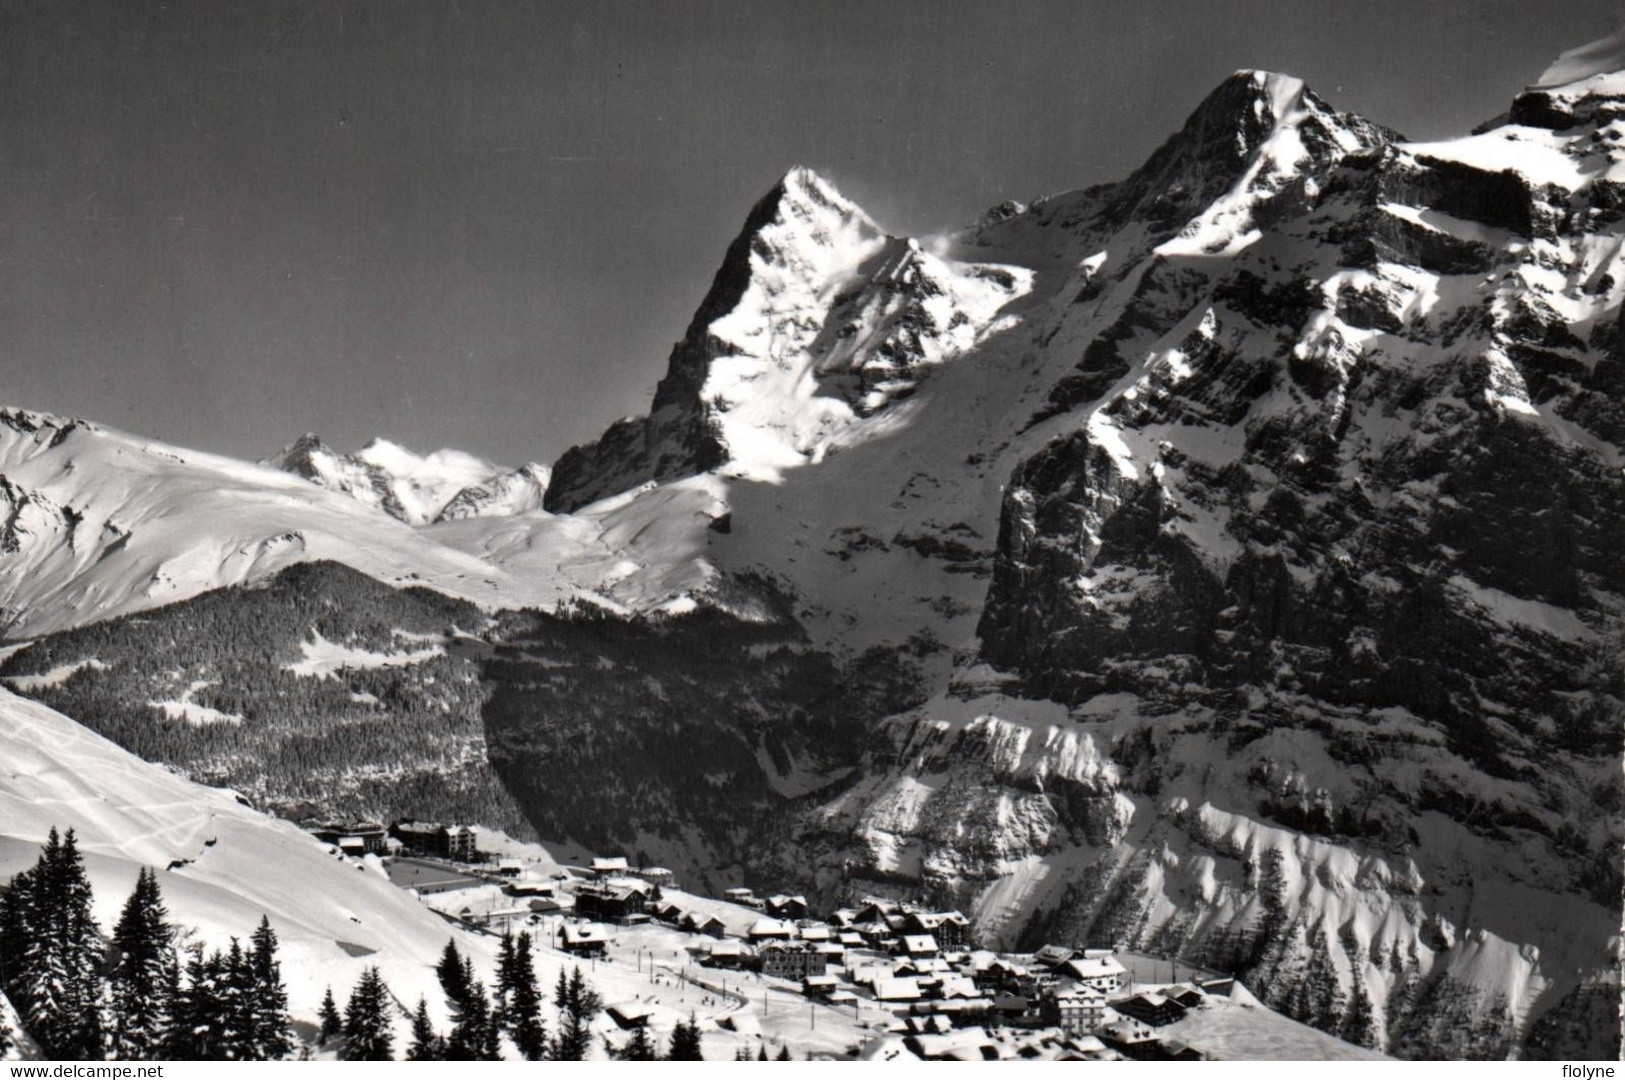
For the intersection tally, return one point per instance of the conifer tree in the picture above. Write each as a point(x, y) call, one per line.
point(685, 1041)
point(55, 978)
point(368, 1035)
point(502, 989)
point(332, 1023)
point(194, 1026)
point(784, 1053)
point(761, 1053)
point(453, 971)
point(638, 1046)
point(426, 1045)
point(143, 970)
point(273, 1028)
point(474, 1035)
point(578, 1005)
point(523, 1013)
point(1359, 1023)
point(234, 1003)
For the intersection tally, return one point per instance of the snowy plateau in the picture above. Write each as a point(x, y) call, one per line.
point(1222, 564)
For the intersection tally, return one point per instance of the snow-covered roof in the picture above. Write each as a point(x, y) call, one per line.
point(584, 933)
point(1094, 968)
point(772, 928)
point(893, 988)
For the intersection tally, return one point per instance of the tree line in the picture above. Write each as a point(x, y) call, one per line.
point(134, 996)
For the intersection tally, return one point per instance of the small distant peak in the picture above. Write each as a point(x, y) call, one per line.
point(305, 445)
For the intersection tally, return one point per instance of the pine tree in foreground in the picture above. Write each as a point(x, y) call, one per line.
point(332, 1022)
point(578, 1005)
point(453, 972)
point(426, 1045)
point(194, 1027)
point(685, 1041)
point(502, 989)
point(474, 1035)
point(367, 1031)
point(143, 972)
point(784, 1053)
point(522, 1015)
point(54, 955)
point(234, 978)
point(272, 1026)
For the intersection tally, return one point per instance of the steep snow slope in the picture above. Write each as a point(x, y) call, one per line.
point(221, 864)
point(95, 522)
point(446, 484)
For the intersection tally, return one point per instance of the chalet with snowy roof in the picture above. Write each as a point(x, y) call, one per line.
point(1189, 995)
point(793, 960)
point(812, 931)
point(787, 907)
point(630, 1014)
point(820, 987)
point(877, 908)
point(610, 903)
point(850, 939)
point(1076, 1012)
point(1138, 1042)
point(951, 929)
point(656, 875)
point(609, 866)
point(969, 1044)
point(697, 922)
point(1018, 1010)
point(1053, 956)
point(1086, 1048)
point(1151, 1008)
point(1103, 974)
point(455, 843)
point(740, 895)
point(771, 929)
point(727, 953)
point(876, 935)
point(583, 939)
point(918, 946)
point(892, 990)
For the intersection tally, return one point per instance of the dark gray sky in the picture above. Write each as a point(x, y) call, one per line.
point(482, 224)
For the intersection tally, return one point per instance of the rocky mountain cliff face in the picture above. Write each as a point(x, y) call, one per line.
point(1221, 562)
point(1290, 642)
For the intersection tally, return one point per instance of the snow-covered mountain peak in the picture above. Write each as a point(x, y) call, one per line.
point(817, 320)
point(418, 489)
point(1583, 85)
